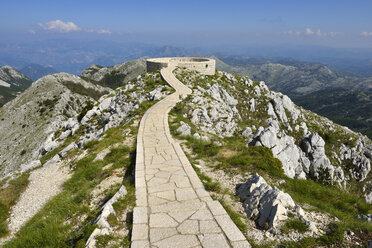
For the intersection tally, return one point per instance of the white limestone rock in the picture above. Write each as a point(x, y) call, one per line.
point(252, 105)
point(368, 197)
point(282, 146)
point(101, 221)
point(29, 166)
point(184, 129)
point(201, 137)
point(49, 145)
point(262, 201)
point(65, 134)
point(247, 132)
point(105, 103)
point(68, 148)
point(313, 146)
point(155, 94)
point(88, 116)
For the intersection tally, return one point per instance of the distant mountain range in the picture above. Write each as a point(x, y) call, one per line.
point(73, 56)
point(346, 100)
point(36, 71)
point(307, 83)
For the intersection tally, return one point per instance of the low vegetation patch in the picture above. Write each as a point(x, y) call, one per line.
point(80, 89)
point(255, 159)
point(345, 206)
point(295, 225)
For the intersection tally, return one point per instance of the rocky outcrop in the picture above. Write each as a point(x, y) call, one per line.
point(281, 103)
point(313, 146)
point(110, 111)
point(291, 133)
point(282, 146)
point(29, 166)
point(218, 115)
point(103, 226)
point(358, 156)
point(269, 206)
point(363, 217)
point(184, 129)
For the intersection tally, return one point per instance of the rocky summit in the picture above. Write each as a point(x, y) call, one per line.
point(124, 157)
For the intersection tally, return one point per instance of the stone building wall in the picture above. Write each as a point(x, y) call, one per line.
point(202, 65)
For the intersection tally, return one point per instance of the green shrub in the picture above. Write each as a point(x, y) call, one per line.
point(296, 225)
point(203, 148)
point(84, 111)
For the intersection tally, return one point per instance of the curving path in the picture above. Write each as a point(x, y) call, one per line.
point(173, 208)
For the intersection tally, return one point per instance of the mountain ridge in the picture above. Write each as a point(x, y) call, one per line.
point(234, 130)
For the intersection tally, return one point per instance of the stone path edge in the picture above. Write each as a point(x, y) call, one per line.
point(141, 212)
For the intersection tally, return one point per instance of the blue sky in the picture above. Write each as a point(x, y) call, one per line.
point(338, 23)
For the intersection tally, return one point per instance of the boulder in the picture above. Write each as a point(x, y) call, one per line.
point(247, 132)
point(29, 166)
point(367, 217)
point(68, 148)
point(65, 134)
point(252, 105)
point(70, 123)
point(184, 129)
point(155, 94)
point(262, 201)
point(362, 167)
point(313, 147)
point(48, 146)
point(368, 197)
point(283, 147)
point(101, 221)
point(88, 116)
point(52, 161)
point(105, 104)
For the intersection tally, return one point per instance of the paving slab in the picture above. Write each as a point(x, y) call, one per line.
point(173, 208)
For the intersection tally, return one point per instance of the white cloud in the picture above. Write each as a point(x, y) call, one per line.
point(31, 31)
point(366, 34)
point(66, 27)
point(309, 31)
point(318, 33)
point(333, 34)
point(289, 32)
point(104, 31)
point(60, 26)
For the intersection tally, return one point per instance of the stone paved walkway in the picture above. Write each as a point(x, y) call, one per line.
point(173, 208)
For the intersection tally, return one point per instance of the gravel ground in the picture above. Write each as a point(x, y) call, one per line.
point(45, 183)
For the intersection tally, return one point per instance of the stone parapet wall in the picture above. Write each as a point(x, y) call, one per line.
point(202, 65)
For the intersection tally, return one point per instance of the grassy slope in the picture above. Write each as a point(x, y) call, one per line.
point(66, 220)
